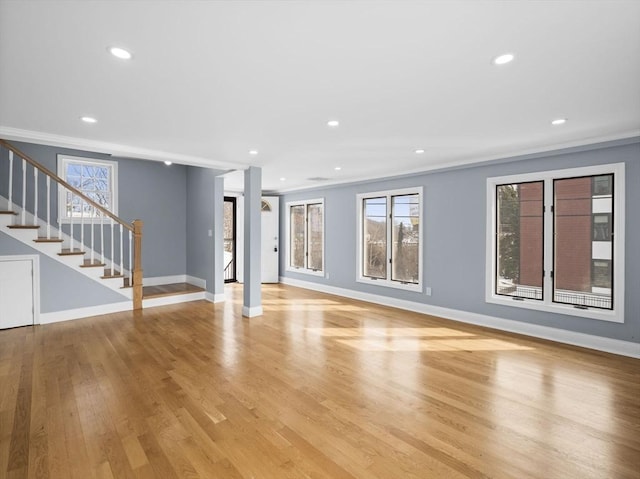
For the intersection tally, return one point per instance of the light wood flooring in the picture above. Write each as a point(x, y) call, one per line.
point(317, 387)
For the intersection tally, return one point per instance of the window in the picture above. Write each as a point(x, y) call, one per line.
point(95, 178)
point(305, 236)
point(390, 238)
point(556, 241)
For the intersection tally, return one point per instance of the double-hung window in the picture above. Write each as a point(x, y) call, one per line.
point(97, 179)
point(305, 236)
point(390, 238)
point(556, 241)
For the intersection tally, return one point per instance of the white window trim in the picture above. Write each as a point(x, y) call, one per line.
point(617, 314)
point(388, 283)
point(62, 161)
point(305, 270)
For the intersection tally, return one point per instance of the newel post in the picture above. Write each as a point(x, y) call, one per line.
point(137, 264)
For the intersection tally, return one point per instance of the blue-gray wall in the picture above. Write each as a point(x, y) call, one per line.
point(147, 190)
point(455, 236)
point(201, 207)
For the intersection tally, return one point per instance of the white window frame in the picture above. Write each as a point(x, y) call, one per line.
point(305, 269)
point(547, 304)
point(63, 161)
point(388, 282)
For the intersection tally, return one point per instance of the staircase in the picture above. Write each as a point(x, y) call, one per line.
point(96, 243)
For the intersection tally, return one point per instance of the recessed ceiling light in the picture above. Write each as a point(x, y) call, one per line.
point(503, 59)
point(168, 163)
point(282, 179)
point(120, 53)
point(419, 151)
point(333, 123)
point(338, 168)
point(253, 152)
point(88, 119)
point(559, 121)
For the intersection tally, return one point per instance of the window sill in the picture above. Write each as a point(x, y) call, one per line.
point(615, 316)
point(385, 283)
point(305, 271)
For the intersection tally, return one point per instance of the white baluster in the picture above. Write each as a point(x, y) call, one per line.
point(35, 196)
point(10, 206)
point(112, 255)
point(81, 223)
point(130, 265)
point(102, 237)
point(61, 199)
point(93, 227)
point(121, 253)
point(24, 191)
point(48, 207)
point(71, 225)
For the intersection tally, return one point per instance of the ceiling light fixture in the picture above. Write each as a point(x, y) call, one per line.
point(559, 121)
point(338, 168)
point(120, 53)
point(419, 151)
point(88, 119)
point(168, 163)
point(503, 59)
point(253, 152)
point(333, 123)
point(282, 179)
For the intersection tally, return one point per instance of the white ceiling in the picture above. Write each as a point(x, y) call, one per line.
point(211, 80)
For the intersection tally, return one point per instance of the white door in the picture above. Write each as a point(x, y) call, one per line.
point(16, 293)
point(270, 232)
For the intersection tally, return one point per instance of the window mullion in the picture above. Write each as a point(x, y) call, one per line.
point(306, 236)
point(548, 242)
point(389, 238)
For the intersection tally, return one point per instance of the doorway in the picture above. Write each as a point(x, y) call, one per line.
point(270, 210)
point(18, 291)
point(230, 223)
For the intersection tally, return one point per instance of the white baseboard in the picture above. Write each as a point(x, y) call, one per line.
point(251, 312)
point(78, 313)
point(615, 346)
point(199, 282)
point(174, 299)
point(176, 278)
point(215, 298)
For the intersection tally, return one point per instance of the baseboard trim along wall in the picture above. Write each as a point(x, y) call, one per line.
point(615, 346)
point(215, 298)
point(251, 312)
point(176, 278)
point(79, 313)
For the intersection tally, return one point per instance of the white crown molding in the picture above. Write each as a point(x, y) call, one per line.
point(114, 149)
point(615, 346)
point(507, 155)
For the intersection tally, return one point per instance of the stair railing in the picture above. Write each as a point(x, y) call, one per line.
point(86, 210)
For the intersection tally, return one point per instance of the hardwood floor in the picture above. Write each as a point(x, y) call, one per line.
point(318, 387)
point(169, 290)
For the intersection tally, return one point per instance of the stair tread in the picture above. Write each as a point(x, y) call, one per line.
point(48, 240)
point(68, 252)
point(7, 212)
point(91, 264)
point(24, 227)
point(116, 274)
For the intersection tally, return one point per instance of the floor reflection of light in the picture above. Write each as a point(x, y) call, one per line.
point(409, 344)
point(394, 332)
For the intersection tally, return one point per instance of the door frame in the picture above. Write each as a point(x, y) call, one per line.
point(35, 280)
point(234, 260)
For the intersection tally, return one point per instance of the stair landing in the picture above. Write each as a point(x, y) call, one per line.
point(169, 290)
